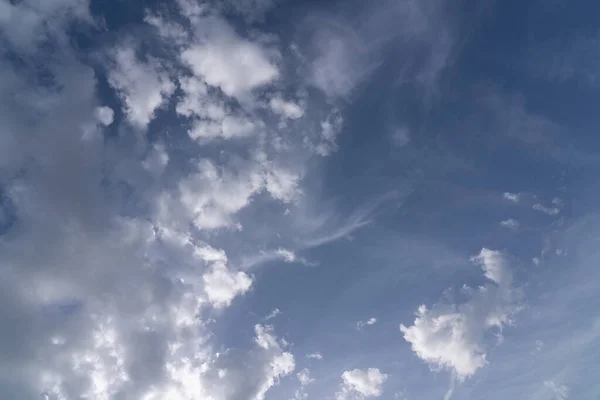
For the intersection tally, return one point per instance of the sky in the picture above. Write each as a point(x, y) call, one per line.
point(289, 200)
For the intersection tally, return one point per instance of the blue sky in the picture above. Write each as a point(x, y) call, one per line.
point(280, 199)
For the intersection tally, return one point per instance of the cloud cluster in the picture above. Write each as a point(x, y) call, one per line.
point(110, 239)
point(138, 187)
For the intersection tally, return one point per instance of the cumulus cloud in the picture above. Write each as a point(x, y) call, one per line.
point(105, 115)
point(222, 285)
point(315, 356)
point(305, 379)
point(227, 61)
point(211, 117)
point(513, 197)
point(143, 86)
point(287, 109)
point(370, 321)
point(360, 384)
point(213, 195)
point(451, 336)
point(510, 223)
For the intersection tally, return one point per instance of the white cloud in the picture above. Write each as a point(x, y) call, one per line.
point(560, 392)
point(105, 115)
point(263, 257)
point(546, 210)
point(370, 321)
point(510, 223)
point(225, 60)
point(557, 202)
point(281, 183)
point(315, 356)
point(287, 255)
point(285, 108)
point(223, 285)
point(305, 380)
point(359, 384)
point(143, 87)
point(214, 194)
point(211, 117)
point(304, 377)
point(514, 197)
point(229, 375)
point(451, 336)
point(273, 314)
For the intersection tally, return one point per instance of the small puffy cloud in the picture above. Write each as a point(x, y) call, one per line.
point(281, 183)
point(287, 109)
point(450, 336)
point(287, 255)
point(362, 324)
point(143, 86)
point(513, 197)
point(222, 285)
point(315, 356)
point(546, 210)
point(225, 60)
point(510, 223)
point(211, 117)
point(359, 384)
point(104, 115)
point(281, 364)
point(213, 195)
point(232, 374)
point(560, 392)
point(304, 377)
